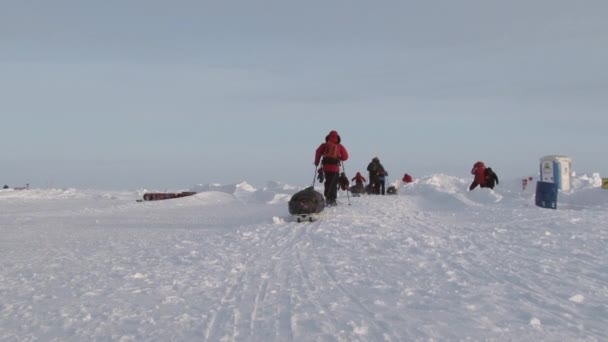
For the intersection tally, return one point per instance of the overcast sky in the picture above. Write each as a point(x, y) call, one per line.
point(168, 94)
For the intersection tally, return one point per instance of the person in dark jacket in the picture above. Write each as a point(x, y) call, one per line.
point(375, 168)
point(330, 154)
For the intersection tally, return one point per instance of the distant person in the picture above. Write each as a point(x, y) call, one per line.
point(5, 187)
point(407, 178)
point(359, 179)
point(359, 187)
point(484, 176)
point(382, 174)
point(374, 168)
point(330, 154)
point(525, 181)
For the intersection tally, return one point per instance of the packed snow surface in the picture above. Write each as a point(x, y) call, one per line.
point(432, 263)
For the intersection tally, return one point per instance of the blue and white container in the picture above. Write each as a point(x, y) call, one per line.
point(556, 169)
point(546, 195)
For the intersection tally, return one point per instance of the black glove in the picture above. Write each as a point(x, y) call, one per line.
point(320, 176)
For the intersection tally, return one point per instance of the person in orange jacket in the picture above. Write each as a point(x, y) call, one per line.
point(479, 171)
point(332, 153)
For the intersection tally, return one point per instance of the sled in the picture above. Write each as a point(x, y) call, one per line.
point(357, 190)
point(158, 196)
point(306, 217)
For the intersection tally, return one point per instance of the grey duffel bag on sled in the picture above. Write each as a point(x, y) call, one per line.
point(307, 201)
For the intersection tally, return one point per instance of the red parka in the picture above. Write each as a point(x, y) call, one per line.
point(359, 178)
point(342, 154)
point(407, 178)
point(479, 170)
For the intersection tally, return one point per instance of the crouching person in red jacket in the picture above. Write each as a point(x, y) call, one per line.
point(358, 188)
point(479, 171)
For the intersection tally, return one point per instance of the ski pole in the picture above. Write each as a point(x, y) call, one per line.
point(347, 190)
point(314, 178)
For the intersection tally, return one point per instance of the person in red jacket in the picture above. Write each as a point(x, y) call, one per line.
point(359, 179)
point(407, 178)
point(330, 154)
point(359, 187)
point(479, 171)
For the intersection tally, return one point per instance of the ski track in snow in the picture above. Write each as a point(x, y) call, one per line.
point(385, 268)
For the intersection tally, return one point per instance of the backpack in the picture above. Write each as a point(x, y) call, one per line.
point(331, 154)
point(490, 177)
point(381, 172)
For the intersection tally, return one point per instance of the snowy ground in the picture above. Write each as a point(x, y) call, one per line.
point(433, 263)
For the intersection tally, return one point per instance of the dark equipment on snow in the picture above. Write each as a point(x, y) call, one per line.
point(369, 189)
point(357, 189)
point(343, 182)
point(157, 196)
point(307, 201)
point(391, 190)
